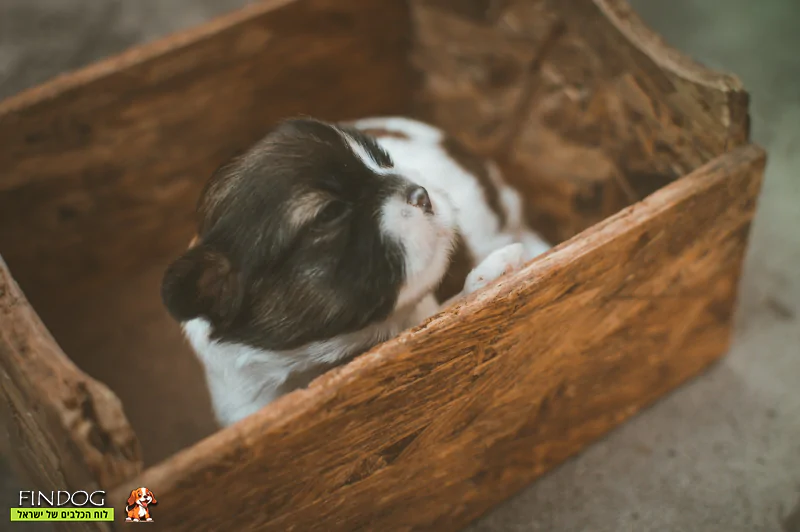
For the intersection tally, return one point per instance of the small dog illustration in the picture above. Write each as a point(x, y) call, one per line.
point(137, 505)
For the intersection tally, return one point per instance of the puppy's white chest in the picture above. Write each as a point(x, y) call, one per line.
point(243, 379)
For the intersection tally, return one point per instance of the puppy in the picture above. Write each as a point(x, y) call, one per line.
point(324, 240)
point(138, 501)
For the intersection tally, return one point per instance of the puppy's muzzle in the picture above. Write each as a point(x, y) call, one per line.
point(418, 197)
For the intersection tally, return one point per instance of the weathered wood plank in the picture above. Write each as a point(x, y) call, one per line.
point(458, 414)
point(60, 429)
point(540, 83)
point(123, 147)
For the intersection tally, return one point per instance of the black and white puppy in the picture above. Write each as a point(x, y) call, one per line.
point(324, 240)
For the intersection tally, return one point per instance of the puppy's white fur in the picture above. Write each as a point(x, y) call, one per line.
point(243, 379)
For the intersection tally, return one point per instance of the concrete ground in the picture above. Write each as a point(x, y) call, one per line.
point(720, 454)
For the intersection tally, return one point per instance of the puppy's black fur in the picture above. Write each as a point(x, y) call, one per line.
point(267, 274)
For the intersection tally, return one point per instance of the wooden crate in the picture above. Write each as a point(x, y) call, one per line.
point(632, 156)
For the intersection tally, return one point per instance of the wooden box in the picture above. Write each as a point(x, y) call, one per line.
point(632, 156)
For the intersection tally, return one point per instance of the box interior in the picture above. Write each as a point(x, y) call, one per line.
point(89, 247)
point(105, 176)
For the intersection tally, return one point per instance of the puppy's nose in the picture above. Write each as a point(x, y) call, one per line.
point(418, 197)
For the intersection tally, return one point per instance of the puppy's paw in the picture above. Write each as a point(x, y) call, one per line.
point(500, 262)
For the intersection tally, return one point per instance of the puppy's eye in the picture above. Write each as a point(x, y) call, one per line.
point(332, 212)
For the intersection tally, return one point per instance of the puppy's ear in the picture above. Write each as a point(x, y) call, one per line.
point(132, 498)
point(153, 496)
point(202, 282)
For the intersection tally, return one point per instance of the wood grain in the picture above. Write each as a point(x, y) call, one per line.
point(61, 430)
point(429, 430)
point(102, 168)
point(540, 83)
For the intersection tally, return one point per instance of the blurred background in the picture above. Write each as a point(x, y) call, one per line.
point(720, 454)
